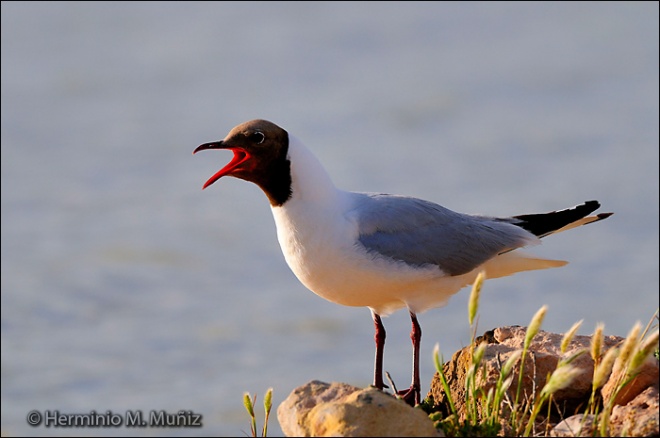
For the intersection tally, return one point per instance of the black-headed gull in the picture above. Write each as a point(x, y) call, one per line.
point(380, 251)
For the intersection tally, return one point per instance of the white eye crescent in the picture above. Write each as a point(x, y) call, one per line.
point(258, 137)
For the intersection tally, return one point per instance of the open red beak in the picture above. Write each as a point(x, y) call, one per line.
point(240, 157)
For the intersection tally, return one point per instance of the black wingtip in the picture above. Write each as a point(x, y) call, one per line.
point(588, 206)
point(546, 223)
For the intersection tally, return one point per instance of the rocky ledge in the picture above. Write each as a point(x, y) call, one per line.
point(338, 409)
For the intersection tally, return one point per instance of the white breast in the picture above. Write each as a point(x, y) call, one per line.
point(317, 232)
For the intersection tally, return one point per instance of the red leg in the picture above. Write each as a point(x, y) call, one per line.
point(412, 395)
point(379, 337)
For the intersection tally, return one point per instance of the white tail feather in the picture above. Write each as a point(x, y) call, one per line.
point(517, 261)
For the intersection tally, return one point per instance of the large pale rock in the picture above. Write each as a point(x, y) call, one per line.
point(338, 409)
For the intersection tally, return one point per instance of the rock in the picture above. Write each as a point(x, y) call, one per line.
point(635, 415)
point(649, 373)
point(639, 417)
point(338, 409)
point(542, 358)
point(577, 425)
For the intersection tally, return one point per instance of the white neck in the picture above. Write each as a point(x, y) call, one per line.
point(309, 180)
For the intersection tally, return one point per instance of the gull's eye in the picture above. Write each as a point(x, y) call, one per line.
point(257, 137)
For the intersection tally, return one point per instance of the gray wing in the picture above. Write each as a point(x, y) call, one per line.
point(419, 232)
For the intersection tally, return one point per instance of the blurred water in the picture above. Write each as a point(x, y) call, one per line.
point(124, 286)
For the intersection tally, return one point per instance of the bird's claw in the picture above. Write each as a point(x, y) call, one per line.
point(410, 395)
